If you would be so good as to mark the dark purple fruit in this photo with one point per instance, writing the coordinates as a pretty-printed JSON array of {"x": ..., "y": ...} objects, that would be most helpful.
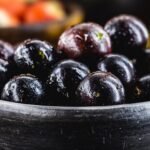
[
  {"x": 100, "y": 89},
  {"x": 84, "y": 39},
  {"x": 128, "y": 34},
  {"x": 120, "y": 66},
  {"x": 24, "y": 89},
  {"x": 4, "y": 73},
  {"x": 64, "y": 80},
  {"x": 142, "y": 64},
  {"x": 35, "y": 57},
  {"x": 142, "y": 90},
  {"x": 6, "y": 50}
]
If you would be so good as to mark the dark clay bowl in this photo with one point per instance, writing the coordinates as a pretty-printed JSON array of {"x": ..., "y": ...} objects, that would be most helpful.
[{"x": 30, "y": 127}]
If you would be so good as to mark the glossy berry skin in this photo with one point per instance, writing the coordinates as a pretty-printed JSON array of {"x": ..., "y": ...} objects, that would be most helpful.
[
  {"x": 100, "y": 89},
  {"x": 120, "y": 66},
  {"x": 6, "y": 50},
  {"x": 35, "y": 57},
  {"x": 24, "y": 89},
  {"x": 129, "y": 35},
  {"x": 84, "y": 39},
  {"x": 64, "y": 80},
  {"x": 142, "y": 90},
  {"x": 4, "y": 73}
]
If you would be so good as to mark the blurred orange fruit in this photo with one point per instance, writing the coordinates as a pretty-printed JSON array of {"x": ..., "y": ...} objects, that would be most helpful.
[
  {"x": 14, "y": 7},
  {"x": 7, "y": 20},
  {"x": 44, "y": 11}
]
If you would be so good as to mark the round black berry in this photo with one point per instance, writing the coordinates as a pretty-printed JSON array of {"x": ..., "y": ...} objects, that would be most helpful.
[
  {"x": 142, "y": 89},
  {"x": 35, "y": 57},
  {"x": 121, "y": 67},
  {"x": 142, "y": 64},
  {"x": 100, "y": 89},
  {"x": 64, "y": 80},
  {"x": 86, "y": 39},
  {"x": 128, "y": 34},
  {"x": 24, "y": 89}
]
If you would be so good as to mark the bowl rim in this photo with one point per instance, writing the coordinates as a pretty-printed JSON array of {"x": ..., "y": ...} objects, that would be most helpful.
[
  {"x": 74, "y": 108},
  {"x": 59, "y": 113}
]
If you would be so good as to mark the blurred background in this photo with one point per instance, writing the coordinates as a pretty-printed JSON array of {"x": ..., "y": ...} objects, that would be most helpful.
[
  {"x": 102, "y": 10},
  {"x": 47, "y": 19}
]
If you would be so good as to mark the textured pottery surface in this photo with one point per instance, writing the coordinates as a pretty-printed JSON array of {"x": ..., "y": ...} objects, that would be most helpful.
[{"x": 29, "y": 127}]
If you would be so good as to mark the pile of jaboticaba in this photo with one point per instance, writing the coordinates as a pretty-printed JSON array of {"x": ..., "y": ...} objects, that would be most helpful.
[{"x": 91, "y": 66}]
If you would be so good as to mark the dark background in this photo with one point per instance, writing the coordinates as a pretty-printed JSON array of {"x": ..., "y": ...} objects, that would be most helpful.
[{"x": 102, "y": 10}]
